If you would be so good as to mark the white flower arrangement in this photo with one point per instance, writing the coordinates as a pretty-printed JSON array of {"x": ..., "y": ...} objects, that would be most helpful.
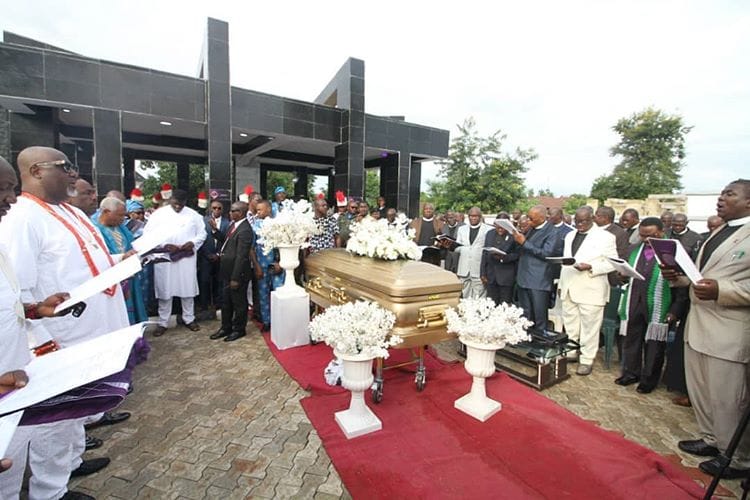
[
  {"x": 293, "y": 225},
  {"x": 481, "y": 321},
  {"x": 353, "y": 328},
  {"x": 378, "y": 239}
]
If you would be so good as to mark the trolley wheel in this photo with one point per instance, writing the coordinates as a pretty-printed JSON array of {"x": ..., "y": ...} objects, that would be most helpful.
[
  {"x": 377, "y": 392},
  {"x": 420, "y": 380}
]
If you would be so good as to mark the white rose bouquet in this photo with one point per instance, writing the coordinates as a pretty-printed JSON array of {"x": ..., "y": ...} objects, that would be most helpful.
[
  {"x": 481, "y": 321},
  {"x": 356, "y": 328},
  {"x": 378, "y": 239},
  {"x": 293, "y": 225}
]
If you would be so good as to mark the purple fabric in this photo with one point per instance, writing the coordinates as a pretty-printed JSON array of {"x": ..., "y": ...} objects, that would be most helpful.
[{"x": 89, "y": 399}]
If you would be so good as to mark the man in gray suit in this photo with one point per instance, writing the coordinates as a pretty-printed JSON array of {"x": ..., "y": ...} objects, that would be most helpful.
[
  {"x": 683, "y": 234},
  {"x": 534, "y": 276},
  {"x": 717, "y": 335},
  {"x": 629, "y": 221},
  {"x": 605, "y": 218}
]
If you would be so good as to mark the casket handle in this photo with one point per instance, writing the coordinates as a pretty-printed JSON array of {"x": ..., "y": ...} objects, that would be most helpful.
[
  {"x": 432, "y": 316},
  {"x": 338, "y": 295},
  {"x": 315, "y": 283}
]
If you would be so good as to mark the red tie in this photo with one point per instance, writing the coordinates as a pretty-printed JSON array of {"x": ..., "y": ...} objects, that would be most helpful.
[{"x": 231, "y": 230}]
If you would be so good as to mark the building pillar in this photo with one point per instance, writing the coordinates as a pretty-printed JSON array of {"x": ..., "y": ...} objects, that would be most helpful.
[
  {"x": 128, "y": 175},
  {"x": 218, "y": 105},
  {"x": 5, "y": 134},
  {"x": 300, "y": 187},
  {"x": 107, "y": 167},
  {"x": 415, "y": 180},
  {"x": 389, "y": 180},
  {"x": 85, "y": 160},
  {"x": 402, "y": 190},
  {"x": 247, "y": 172}
]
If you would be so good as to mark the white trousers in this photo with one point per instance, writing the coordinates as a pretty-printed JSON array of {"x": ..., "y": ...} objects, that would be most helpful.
[
  {"x": 582, "y": 324},
  {"x": 49, "y": 449},
  {"x": 472, "y": 288},
  {"x": 165, "y": 310}
]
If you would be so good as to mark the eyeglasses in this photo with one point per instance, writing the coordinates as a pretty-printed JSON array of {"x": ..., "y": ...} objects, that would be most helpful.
[{"x": 65, "y": 165}]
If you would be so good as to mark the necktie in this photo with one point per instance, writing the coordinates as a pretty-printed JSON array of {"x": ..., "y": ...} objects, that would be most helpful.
[{"x": 232, "y": 227}]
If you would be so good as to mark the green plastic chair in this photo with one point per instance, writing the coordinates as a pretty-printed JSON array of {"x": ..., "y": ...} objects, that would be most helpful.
[{"x": 611, "y": 325}]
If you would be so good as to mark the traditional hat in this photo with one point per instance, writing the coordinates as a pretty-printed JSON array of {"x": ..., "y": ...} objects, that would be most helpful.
[
  {"x": 202, "y": 200},
  {"x": 340, "y": 199},
  {"x": 156, "y": 198},
  {"x": 166, "y": 191},
  {"x": 279, "y": 189},
  {"x": 133, "y": 205},
  {"x": 321, "y": 196},
  {"x": 245, "y": 196},
  {"x": 136, "y": 195}
]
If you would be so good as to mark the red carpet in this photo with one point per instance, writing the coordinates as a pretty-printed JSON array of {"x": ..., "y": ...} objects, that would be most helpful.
[
  {"x": 533, "y": 448},
  {"x": 305, "y": 364}
]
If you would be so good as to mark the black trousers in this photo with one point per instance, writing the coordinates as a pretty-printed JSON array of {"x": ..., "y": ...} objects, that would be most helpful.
[
  {"x": 535, "y": 304},
  {"x": 209, "y": 284},
  {"x": 641, "y": 358},
  {"x": 234, "y": 308},
  {"x": 500, "y": 293}
]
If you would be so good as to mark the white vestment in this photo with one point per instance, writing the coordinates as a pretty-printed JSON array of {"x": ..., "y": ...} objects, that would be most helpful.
[
  {"x": 177, "y": 279},
  {"x": 48, "y": 259}
]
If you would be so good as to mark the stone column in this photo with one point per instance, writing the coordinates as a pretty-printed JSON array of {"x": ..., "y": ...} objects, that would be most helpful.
[
  {"x": 415, "y": 179},
  {"x": 300, "y": 187},
  {"x": 218, "y": 105},
  {"x": 128, "y": 175},
  {"x": 389, "y": 180},
  {"x": 5, "y": 134},
  {"x": 107, "y": 168}
]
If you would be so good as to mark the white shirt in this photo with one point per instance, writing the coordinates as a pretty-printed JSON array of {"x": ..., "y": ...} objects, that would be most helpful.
[
  {"x": 177, "y": 279},
  {"x": 14, "y": 353},
  {"x": 739, "y": 222},
  {"x": 47, "y": 259}
]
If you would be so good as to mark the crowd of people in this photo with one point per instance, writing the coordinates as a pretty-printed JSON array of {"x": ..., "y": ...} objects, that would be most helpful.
[{"x": 56, "y": 236}]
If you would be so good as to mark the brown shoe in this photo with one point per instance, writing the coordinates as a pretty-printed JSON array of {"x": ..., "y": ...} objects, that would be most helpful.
[
  {"x": 193, "y": 327},
  {"x": 682, "y": 401},
  {"x": 159, "y": 331}
]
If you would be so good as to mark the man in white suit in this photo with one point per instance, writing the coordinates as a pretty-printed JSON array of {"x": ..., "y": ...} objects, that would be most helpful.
[
  {"x": 471, "y": 238},
  {"x": 584, "y": 288}
]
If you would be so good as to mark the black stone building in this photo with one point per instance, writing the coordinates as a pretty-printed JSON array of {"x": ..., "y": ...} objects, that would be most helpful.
[{"x": 106, "y": 116}]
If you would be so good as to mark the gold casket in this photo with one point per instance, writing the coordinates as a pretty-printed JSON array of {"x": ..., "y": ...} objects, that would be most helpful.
[{"x": 416, "y": 292}]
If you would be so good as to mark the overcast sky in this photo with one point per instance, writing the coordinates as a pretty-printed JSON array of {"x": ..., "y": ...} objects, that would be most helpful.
[{"x": 552, "y": 75}]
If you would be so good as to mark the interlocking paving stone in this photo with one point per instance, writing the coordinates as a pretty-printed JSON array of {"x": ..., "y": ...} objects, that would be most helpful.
[{"x": 217, "y": 420}]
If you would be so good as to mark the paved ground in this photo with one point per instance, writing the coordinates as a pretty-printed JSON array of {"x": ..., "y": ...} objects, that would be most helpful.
[{"x": 218, "y": 420}]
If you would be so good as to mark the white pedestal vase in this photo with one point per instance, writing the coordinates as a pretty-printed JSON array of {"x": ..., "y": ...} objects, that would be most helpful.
[
  {"x": 289, "y": 260},
  {"x": 357, "y": 377},
  {"x": 480, "y": 364}
]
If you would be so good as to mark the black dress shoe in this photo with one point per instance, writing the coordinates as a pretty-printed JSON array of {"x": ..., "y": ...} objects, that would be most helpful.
[
  {"x": 90, "y": 466},
  {"x": 626, "y": 380},
  {"x": 76, "y": 495},
  {"x": 159, "y": 331},
  {"x": 265, "y": 328},
  {"x": 93, "y": 443},
  {"x": 220, "y": 333},
  {"x": 643, "y": 389},
  {"x": 713, "y": 466},
  {"x": 109, "y": 419},
  {"x": 234, "y": 336},
  {"x": 193, "y": 327},
  {"x": 698, "y": 447}
]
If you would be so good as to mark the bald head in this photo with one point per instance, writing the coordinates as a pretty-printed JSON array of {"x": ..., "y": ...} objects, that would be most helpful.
[
  {"x": 537, "y": 215},
  {"x": 556, "y": 215},
  {"x": 8, "y": 183},
  {"x": 116, "y": 194},
  {"x": 714, "y": 222},
  {"x": 47, "y": 173}
]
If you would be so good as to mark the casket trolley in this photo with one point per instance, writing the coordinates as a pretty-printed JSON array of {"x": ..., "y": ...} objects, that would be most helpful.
[{"x": 416, "y": 292}]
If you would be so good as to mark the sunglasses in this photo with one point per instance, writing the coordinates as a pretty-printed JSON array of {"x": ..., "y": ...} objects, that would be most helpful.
[{"x": 65, "y": 165}]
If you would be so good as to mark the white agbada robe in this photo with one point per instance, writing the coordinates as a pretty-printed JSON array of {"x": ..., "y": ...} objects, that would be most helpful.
[
  {"x": 177, "y": 279},
  {"x": 47, "y": 259}
]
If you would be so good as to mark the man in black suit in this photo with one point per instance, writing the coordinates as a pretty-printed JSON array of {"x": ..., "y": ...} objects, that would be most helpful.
[
  {"x": 235, "y": 271},
  {"x": 605, "y": 218},
  {"x": 534, "y": 276},
  {"x": 208, "y": 260},
  {"x": 498, "y": 272},
  {"x": 629, "y": 221}
]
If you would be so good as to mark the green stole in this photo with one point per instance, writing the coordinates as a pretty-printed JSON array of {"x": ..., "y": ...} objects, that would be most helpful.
[{"x": 658, "y": 300}]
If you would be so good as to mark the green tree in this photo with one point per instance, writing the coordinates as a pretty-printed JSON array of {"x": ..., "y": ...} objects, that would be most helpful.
[
  {"x": 158, "y": 173},
  {"x": 286, "y": 179},
  {"x": 478, "y": 172},
  {"x": 574, "y": 202},
  {"x": 372, "y": 186},
  {"x": 546, "y": 192},
  {"x": 652, "y": 150}
]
